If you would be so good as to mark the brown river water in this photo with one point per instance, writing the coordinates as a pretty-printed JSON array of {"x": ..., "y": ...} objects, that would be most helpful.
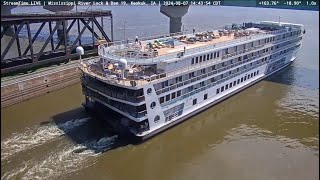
[{"x": 269, "y": 131}]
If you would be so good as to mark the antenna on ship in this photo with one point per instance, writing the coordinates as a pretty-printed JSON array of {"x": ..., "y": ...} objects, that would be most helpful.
[
  {"x": 279, "y": 20},
  {"x": 80, "y": 51}
]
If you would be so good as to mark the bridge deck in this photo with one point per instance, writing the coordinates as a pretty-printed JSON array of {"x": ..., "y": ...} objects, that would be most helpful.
[{"x": 53, "y": 16}]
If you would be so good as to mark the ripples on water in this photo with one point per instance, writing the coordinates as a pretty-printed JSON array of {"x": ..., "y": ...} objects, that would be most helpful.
[
  {"x": 58, "y": 162},
  {"x": 36, "y": 136}
]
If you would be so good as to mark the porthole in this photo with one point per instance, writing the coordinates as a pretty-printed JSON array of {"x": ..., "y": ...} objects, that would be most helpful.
[
  {"x": 152, "y": 105},
  {"x": 157, "y": 118},
  {"x": 149, "y": 91}
]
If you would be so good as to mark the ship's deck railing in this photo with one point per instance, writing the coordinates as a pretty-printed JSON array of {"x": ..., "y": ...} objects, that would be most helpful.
[
  {"x": 179, "y": 84},
  {"x": 113, "y": 94},
  {"x": 156, "y": 77},
  {"x": 107, "y": 51},
  {"x": 196, "y": 91},
  {"x": 117, "y": 105},
  {"x": 213, "y": 61}
]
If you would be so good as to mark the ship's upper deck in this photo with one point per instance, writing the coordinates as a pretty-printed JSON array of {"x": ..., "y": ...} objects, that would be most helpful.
[
  {"x": 152, "y": 50},
  {"x": 162, "y": 51},
  {"x": 138, "y": 62}
]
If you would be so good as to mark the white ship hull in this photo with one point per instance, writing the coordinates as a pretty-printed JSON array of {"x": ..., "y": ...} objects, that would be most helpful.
[
  {"x": 181, "y": 86},
  {"x": 205, "y": 106}
]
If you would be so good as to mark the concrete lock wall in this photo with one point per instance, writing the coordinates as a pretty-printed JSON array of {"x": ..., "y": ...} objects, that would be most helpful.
[{"x": 22, "y": 90}]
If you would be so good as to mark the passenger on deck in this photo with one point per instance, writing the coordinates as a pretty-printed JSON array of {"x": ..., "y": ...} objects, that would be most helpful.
[{"x": 136, "y": 40}]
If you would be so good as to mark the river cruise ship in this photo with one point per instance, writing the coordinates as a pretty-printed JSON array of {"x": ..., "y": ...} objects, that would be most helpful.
[{"x": 155, "y": 83}]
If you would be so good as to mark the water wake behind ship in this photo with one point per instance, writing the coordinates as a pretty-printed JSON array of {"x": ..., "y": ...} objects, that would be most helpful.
[{"x": 36, "y": 136}]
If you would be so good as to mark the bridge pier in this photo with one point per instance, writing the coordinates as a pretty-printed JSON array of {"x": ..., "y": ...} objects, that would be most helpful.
[
  {"x": 6, "y": 10},
  {"x": 175, "y": 13},
  {"x": 61, "y": 31},
  {"x": 62, "y": 25}
]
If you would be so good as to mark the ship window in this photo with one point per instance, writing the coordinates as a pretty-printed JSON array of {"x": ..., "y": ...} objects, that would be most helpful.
[
  {"x": 196, "y": 59},
  {"x": 178, "y": 93},
  {"x": 213, "y": 67},
  {"x": 238, "y": 81},
  {"x": 211, "y": 55},
  {"x": 203, "y": 71},
  {"x": 223, "y": 64},
  {"x": 205, "y": 96},
  {"x": 251, "y": 74},
  {"x": 194, "y": 101},
  {"x": 242, "y": 79},
  {"x": 254, "y": 73},
  {"x": 222, "y": 88},
  {"x": 258, "y": 72},
  {"x": 218, "y": 54},
  {"x": 218, "y": 91},
  {"x": 200, "y": 58},
  {"x": 236, "y": 48},
  {"x": 168, "y": 97},
  {"x": 234, "y": 83},
  {"x": 157, "y": 118},
  {"x": 204, "y": 57},
  {"x": 152, "y": 105},
  {"x": 245, "y": 78},
  {"x": 173, "y": 95},
  {"x": 207, "y": 56},
  {"x": 227, "y": 52},
  {"x": 192, "y": 61},
  {"x": 227, "y": 86},
  {"x": 248, "y": 76},
  {"x": 252, "y": 44},
  {"x": 237, "y": 69},
  {"x": 161, "y": 100},
  {"x": 239, "y": 58}
]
